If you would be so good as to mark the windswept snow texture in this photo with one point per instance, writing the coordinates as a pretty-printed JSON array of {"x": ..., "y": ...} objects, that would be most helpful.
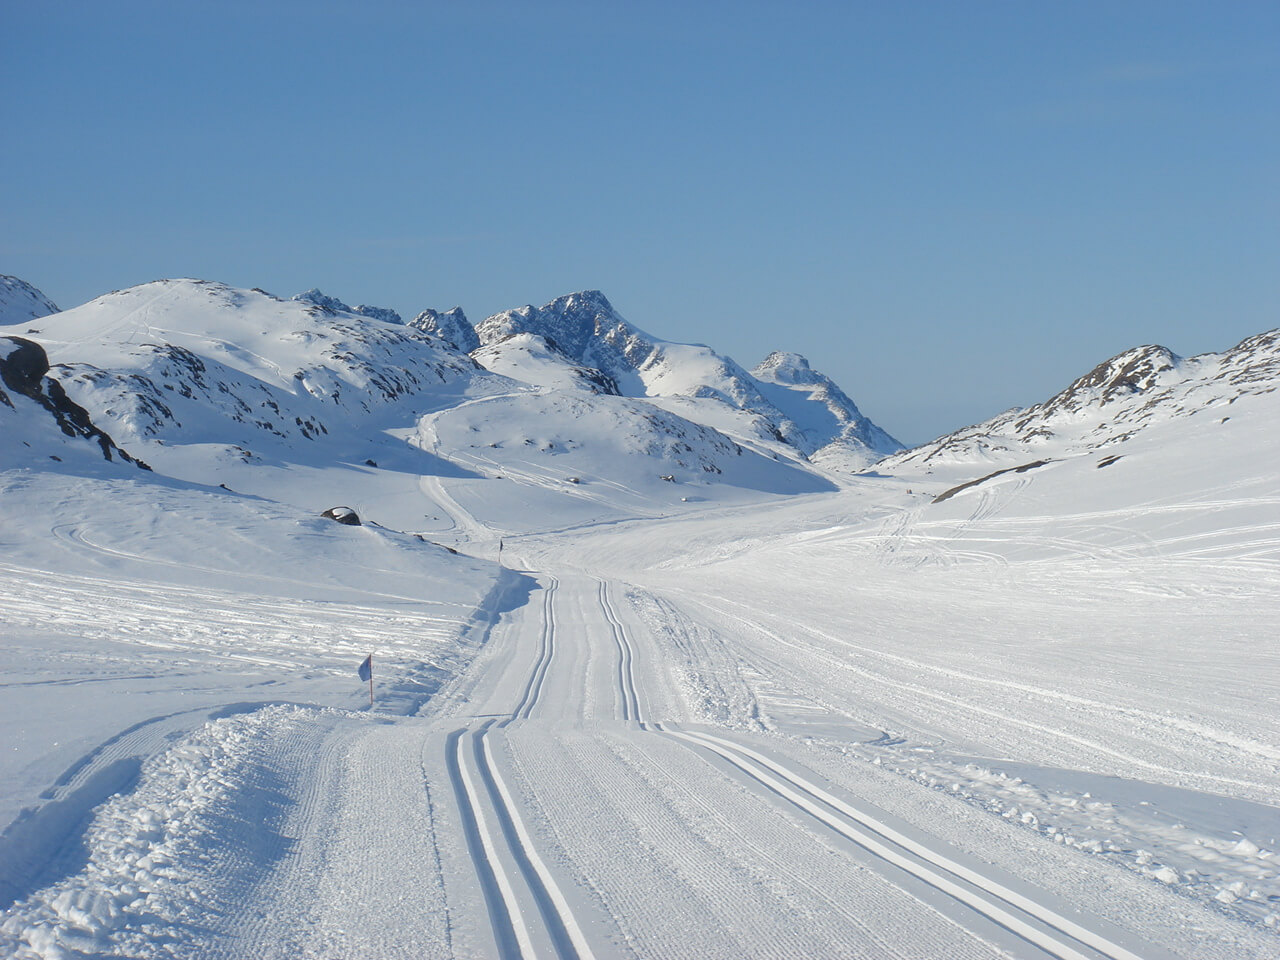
[
  {"x": 628, "y": 700},
  {"x": 20, "y": 301}
]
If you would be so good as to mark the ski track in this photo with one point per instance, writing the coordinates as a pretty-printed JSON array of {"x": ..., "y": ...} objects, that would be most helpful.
[
  {"x": 1039, "y": 926},
  {"x": 577, "y": 828}
]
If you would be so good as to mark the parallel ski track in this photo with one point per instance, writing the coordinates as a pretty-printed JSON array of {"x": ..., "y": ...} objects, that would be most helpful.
[
  {"x": 511, "y": 936},
  {"x": 491, "y": 824},
  {"x": 490, "y": 815},
  {"x": 546, "y": 651},
  {"x": 628, "y": 701},
  {"x": 1041, "y": 926},
  {"x": 1046, "y": 929}
]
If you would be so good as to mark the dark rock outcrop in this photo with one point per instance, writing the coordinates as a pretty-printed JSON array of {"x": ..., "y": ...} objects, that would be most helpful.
[
  {"x": 342, "y": 515},
  {"x": 23, "y": 369}
]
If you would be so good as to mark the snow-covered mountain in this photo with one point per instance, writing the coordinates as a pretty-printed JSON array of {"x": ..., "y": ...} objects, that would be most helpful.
[
  {"x": 20, "y": 301},
  {"x": 804, "y": 410},
  {"x": 192, "y": 361},
  {"x": 219, "y": 385},
  {"x": 1109, "y": 405},
  {"x": 534, "y": 359},
  {"x": 822, "y": 421},
  {"x": 452, "y": 325}
]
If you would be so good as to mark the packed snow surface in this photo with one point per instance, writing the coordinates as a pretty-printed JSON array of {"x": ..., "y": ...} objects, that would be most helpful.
[{"x": 642, "y": 686}]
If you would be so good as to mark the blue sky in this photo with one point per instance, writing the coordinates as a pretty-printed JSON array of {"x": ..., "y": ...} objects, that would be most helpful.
[{"x": 951, "y": 208}]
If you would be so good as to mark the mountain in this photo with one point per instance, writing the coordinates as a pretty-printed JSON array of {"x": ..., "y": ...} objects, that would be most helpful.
[
  {"x": 536, "y": 360},
  {"x": 194, "y": 361},
  {"x": 315, "y": 403},
  {"x": 452, "y": 325},
  {"x": 1115, "y": 402},
  {"x": 824, "y": 422},
  {"x": 20, "y": 301},
  {"x": 807, "y": 412}
]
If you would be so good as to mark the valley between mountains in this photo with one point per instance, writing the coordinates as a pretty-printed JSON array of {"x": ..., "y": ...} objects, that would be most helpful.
[{"x": 670, "y": 658}]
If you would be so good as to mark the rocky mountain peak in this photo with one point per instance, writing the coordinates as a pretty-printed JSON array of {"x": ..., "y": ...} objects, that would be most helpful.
[
  {"x": 452, "y": 326},
  {"x": 1134, "y": 371},
  {"x": 572, "y": 321},
  {"x": 783, "y": 367},
  {"x": 334, "y": 305}
]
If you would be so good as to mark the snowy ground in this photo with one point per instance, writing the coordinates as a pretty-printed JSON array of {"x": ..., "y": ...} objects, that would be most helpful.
[{"x": 1037, "y": 719}]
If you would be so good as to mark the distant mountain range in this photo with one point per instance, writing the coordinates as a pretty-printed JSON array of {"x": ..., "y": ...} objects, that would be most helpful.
[{"x": 191, "y": 376}]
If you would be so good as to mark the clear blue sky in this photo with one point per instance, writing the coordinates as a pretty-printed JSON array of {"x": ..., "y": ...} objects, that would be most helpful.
[{"x": 950, "y": 207}]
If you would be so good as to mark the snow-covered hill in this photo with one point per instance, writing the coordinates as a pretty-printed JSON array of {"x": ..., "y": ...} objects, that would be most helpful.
[
  {"x": 534, "y": 359},
  {"x": 805, "y": 410},
  {"x": 20, "y": 301},
  {"x": 1102, "y": 410},
  {"x": 193, "y": 361},
  {"x": 39, "y": 421}
]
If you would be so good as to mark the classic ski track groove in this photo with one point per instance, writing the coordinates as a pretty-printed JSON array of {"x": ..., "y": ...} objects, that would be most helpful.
[
  {"x": 998, "y": 903},
  {"x": 511, "y": 938},
  {"x": 627, "y": 699},
  {"x": 511, "y": 932},
  {"x": 993, "y": 900},
  {"x": 546, "y": 650},
  {"x": 563, "y": 929}
]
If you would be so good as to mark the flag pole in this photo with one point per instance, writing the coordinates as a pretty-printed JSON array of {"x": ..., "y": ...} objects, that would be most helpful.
[{"x": 366, "y": 673}]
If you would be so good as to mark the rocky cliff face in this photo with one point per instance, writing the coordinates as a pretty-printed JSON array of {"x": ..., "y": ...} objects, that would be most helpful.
[{"x": 452, "y": 326}]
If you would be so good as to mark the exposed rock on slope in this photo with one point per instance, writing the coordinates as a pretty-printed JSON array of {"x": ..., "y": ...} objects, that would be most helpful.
[
  {"x": 335, "y": 306},
  {"x": 23, "y": 369},
  {"x": 1111, "y": 403},
  {"x": 806, "y": 412},
  {"x": 451, "y": 326}
]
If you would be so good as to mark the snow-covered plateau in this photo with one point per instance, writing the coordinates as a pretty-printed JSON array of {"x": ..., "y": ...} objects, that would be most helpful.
[{"x": 669, "y": 658}]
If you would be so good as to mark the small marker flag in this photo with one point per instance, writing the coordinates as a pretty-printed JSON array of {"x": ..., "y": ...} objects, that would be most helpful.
[{"x": 366, "y": 668}]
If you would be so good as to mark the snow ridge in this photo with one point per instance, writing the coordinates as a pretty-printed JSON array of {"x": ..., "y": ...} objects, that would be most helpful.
[
  {"x": 334, "y": 305},
  {"x": 1112, "y": 403},
  {"x": 20, "y": 301},
  {"x": 451, "y": 326},
  {"x": 804, "y": 410}
]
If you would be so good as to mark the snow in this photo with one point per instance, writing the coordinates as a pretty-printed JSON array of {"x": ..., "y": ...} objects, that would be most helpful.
[
  {"x": 757, "y": 709},
  {"x": 20, "y": 301}
]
